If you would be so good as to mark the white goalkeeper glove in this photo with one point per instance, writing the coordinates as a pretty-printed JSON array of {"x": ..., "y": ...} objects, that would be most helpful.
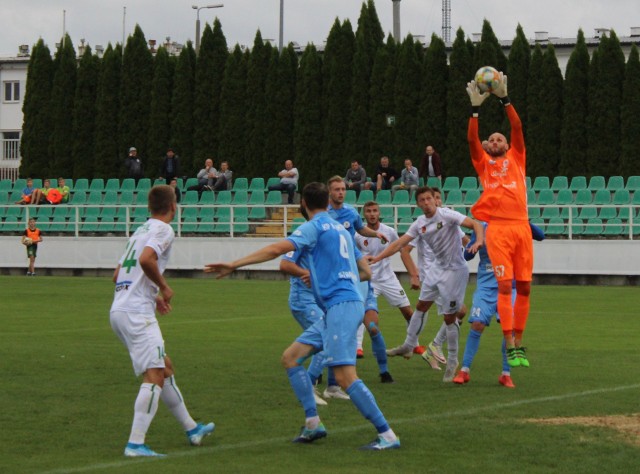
[{"x": 477, "y": 98}]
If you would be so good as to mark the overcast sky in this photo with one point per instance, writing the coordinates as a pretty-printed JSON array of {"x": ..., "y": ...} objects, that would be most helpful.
[{"x": 100, "y": 22}]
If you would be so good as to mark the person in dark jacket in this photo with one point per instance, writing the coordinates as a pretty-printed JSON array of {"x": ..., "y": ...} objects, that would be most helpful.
[
  {"x": 431, "y": 164},
  {"x": 134, "y": 166},
  {"x": 170, "y": 167}
]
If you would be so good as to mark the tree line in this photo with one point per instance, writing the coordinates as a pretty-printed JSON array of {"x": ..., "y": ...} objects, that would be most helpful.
[{"x": 258, "y": 107}]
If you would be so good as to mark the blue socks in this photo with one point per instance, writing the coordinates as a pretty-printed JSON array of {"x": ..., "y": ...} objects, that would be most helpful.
[
  {"x": 379, "y": 349},
  {"x": 364, "y": 401},
  {"x": 471, "y": 349},
  {"x": 315, "y": 367},
  {"x": 505, "y": 365},
  {"x": 301, "y": 384}
]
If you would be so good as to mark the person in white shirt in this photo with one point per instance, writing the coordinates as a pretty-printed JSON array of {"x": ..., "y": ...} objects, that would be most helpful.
[
  {"x": 447, "y": 278},
  {"x": 288, "y": 180},
  {"x": 140, "y": 291},
  {"x": 409, "y": 179}
]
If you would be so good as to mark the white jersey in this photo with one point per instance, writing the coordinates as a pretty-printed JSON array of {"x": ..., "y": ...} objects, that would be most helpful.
[
  {"x": 442, "y": 234},
  {"x": 134, "y": 292},
  {"x": 426, "y": 257},
  {"x": 373, "y": 246}
]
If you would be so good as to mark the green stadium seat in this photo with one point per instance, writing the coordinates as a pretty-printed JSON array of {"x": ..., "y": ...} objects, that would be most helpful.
[
  {"x": 383, "y": 196},
  {"x": 143, "y": 186},
  {"x": 541, "y": 183},
  {"x": 59, "y": 224},
  {"x": 13, "y": 224},
  {"x": 451, "y": 183},
  {"x": 602, "y": 197},
  {"x": 108, "y": 212},
  {"x": 417, "y": 212},
  {"x": 566, "y": 211},
  {"x": 95, "y": 198},
  {"x": 596, "y": 183},
  {"x": 140, "y": 212},
  {"x": 206, "y": 198},
  {"x": 576, "y": 227},
  {"x": 528, "y": 181},
  {"x": 128, "y": 184},
  {"x": 240, "y": 220},
  {"x": 126, "y": 198},
  {"x": 564, "y": 197},
  {"x": 559, "y": 183},
  {"x": 259, "y": 211},
  {"x": 110, "y": 198},
  {"x": 297, "y": 222},
  {"x": 97, "y": 184},
  {"x": 37, "y": 183},
  {"x": 613, "y": 227},
  {"x": 274, "y": 198},
  {"x": 4, "y": 198},
  {"x": 113, "y": 184},
  {"x": 588, "y": 213},
  {"x": 534, "y": 212},
  {"x": 400, "y": 197},
  {"x": 555, "y": 227},
  {"x": 550, "y": 212},
  {"x": 531, "y": 196},
  {"x": 386, "y": 214},
  {"x": 593, "y": 227},
  {"x": 6, "y": 185},
  {"x": 404, "y": 212},
  {"x": 434, "y": 182},
  {"x": 539, "y": 222},
  {"x": 621, "y": 197},
  {"x": 471, "y": 197},
  {"x": 420, "y": 182},
  {"x": 79, "y": 198},
  {"x": 545, "y": 197},
  {"x": 578, "y": 183},
  {"x": 42, "y": 212},
  {"x": 366, "y": 195},
  {"x": 607, "y": 212},
  {"x": 159, "y": 181},
  {"x": 240, "y": 184},
  {"x": 81, "y": 185},
  {"x": 635, "y": 200},
  {"x": 583, "y": 197},
  {"x": 223, "y": 217},
  {"x": 240, "y": 197},
  {"x": 224, "y": 197},
  {"x": 257, "y": 184},
  {"x": 404, "y": 224},
  {"x": 454, "y": 198},
  {"x": 349, "y": 198},
  {"x": 633, "y": 184},
  {"x": 190, "y": 198},
  {"x": 273, "y": 181},
  {"x": 107, "y": 225},
  {"x": 615, "y": 183}
]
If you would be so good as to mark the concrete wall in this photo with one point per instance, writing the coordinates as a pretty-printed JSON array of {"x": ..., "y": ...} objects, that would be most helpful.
[{"x": 552, "y": 257}]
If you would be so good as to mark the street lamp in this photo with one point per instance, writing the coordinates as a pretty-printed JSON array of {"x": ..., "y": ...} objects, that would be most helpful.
[{"x": 197, "y": 9}]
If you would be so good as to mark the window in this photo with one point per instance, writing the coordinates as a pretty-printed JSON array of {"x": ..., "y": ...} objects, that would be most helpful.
[
  {"x": 10, "y": 146},
  {"x": 11, "y": 91}
]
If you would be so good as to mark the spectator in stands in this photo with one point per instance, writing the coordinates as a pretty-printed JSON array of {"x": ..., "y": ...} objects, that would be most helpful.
[
  {"x": 170, "y": 167},
  {"x": 133, "y": 163},
  {"x": 63, "y": 189},
  {"x": 356, "y": 178},
  {"x": 409, "y": 178},
  {"x": 222, "y": 180},
  {"x": 40, "y": 195},
  {"x": 204, "y": 175},
  {"x": 385, "y": 175},
  {"x": 173, "y": 182},
  {"x": 431, "y": 165},
  {"x": 27, "y": 193},
  {"x": 288, "y": 180}
]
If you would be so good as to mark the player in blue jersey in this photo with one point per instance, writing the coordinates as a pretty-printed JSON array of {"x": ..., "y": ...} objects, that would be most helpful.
[
  {"x": 485, "y": 305},
  {"x": 336, "y": 268}
]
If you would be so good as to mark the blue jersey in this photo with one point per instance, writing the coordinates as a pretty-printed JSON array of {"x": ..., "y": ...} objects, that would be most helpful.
[
  {"x": 300, "y": 295},
  {"x": 332, "y": 263},
  {"x": 348, "y": 217}
]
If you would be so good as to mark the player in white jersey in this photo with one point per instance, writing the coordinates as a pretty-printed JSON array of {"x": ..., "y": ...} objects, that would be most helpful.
[
  {"x": 433, "y": 354},
  {"x": 448, "y": 276},
  {"x": 140, "y": 291}
]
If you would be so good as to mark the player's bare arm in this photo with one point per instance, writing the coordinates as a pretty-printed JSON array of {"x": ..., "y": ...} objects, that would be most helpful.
[
  {"x": 368, "y": 232},
  {"x": 478, "y": 229},
  {"x": 409, "y": 264},
  {"x": 391, "y": 249},
  {"x": 263, "y": 255},
  {"x": 115, "y": 274},
  {"x": 149, "y": 264},
  {"x": 364, "y": 269},
  {"x": 290, "y": 268}
]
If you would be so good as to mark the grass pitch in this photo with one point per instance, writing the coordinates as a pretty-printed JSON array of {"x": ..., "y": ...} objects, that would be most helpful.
[{"x": 68, "y": 387}]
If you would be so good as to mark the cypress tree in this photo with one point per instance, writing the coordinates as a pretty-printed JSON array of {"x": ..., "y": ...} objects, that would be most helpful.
[
  {"x": 135, "y": 98},
  {"x": 107, "y": 155},
  {"x": 383, "y": 79},
  {"x": 337, "y": 71},
  {"x": 573, "y": 147},
  {"x": 182, "y": 109},
  {"x": 407, "y": 100},
  {"x": 629, "y": 113},
  {"x": 605, "y": 94},
  {"x": 84, "y": 115},
  {"x": 518, "y": 72},
  {"x": 489, "y": 53},
  {"x": 280, "y": 93},
  {"x": 61, "y": 110},
  {"x": 431, "y": 128},
  {"x": 535, "y": 127},
  {"x": 34, "y": 143},
  {"x": 307, "y": 126},
  {"x": 455, "y": 156},
  {"x": 550, "y": 99},
  {"x": 233, "y": 108},
  {"x": 160, "y": 114},
  {"x": 257, "y": 70},
  {"x": 212, "y": 58}
]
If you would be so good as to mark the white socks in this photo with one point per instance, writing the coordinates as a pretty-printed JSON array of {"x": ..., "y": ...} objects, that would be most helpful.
[
  {"x": 172, "y": 398},
  {"x": 360, "y": 336},
  {"x": 145, "y": 409},
  {"x": 416, "y": 325},
  {"x": 453, "y": 334}
]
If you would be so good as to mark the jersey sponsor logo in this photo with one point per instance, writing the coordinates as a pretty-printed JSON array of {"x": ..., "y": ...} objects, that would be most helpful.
[
  {"x": 290, "y": 254},
  {"x": 511, "y": 185},
  {"x": 123, "y": 285},
  {"x": 297, "y": 233},
  {"x": 488, "y": 268},
  {"x": 346, "y": 276}
]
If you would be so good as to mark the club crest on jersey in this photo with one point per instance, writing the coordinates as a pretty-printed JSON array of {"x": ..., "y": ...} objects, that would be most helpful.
[
  {"x": 424, "y": 229},
  {"x": 452, "y": 304},
  {"x": 346, "y": 224},
  {"x": 439, "y": 225},
  {"x": 365, "y": 243}
]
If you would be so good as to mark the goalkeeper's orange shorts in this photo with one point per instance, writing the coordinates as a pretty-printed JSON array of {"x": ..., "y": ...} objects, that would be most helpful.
[{"x": 510, "y": 247}]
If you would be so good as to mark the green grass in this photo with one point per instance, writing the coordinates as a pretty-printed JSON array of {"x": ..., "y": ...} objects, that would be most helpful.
[{"x": 68, "y": 388}]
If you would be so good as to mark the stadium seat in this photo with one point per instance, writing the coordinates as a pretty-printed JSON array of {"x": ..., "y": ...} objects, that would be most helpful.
[
  {"x": 400, "y": 197},
  {"x": 531, "y": 196},
  {"x": 593, "y": 227},
  {"x": 615, "y": 183},
  {"x": 190, "y": 198},
  {"x": 451, "y": 183},
  {"x": 578, "y": 183},
  {"x": 365, "y": 196},
  {"x": 434, "y": 182},
  {"x": 349, "y": 198},
  {"x": 541, "y": 183},
  {"x": 589, "y": 212},
  {"x": 97, "y": 184},
  {"x": 37, "y": 183},
  {"x": 564, "y": 197},
  {"x": 273, "y": 181},
  {"x": 79, "y": 198},
  {"x": 59, "y": 224},
  {"x": 583, "y": 197},
  {"x": 626, "y": 213},
  {"x": 569, "y": 210},
  {"x": 559, "y": 183},
  {"x": 534, "y": 212},
  {"x": 633, "y": 184},
  {"x": 454, "y": 198},
  {"x": 383, "y": 196},
  {"x": 81, "y": 185},
  {"x": 206, "y": 198},
  {"x": 128, "y": 184},
  {"x": 108, "y": 212},
  {"x": 4, "y": 198},
  {"x": 189, "y": 218},
  {"x": 13, "y": 224},
  {"x": 274, "y": 198},
  {"x": 94, "y": 198},
  {"x": 159, "y": 181},
  {"x": 240, "y": 220},
  {"x": 576, "y": 227},
  {"x": 471, "y": 197},
  {"x": 621, "y": 197},
  {"x": 190, "y": 183},
  {"x": 528, "y": 181},
  {"x": 113, "y": 184},
  {"x": 41, "y": 212},
  {"x": 107, "y": 224},
  {"x": 240, "y": 197},
  {"x": 297, "y": 222},
  {"x": 224, "y": 197},
  {"x": 545, "y": 197},
  {"x": 555, "y": 226},
  {"x": 240, "y": 184},
  {"x": 613, "y": 228},
  {"x": 6, "y": 185},
  {"x": 126, "y": 198},
  {"x": 223, "y": 218},
  {"x": 404, "y": 212},
  {"x": 257, "y": 184},
  {"x": 596, "y": 183},
  {"x": 602, "y": 197},
  {"x": 143, "y": 186},
  {"x": 386, "y": 214},
  {"x": 550, "y": 212},
  {"x": 259, "y": 211},
  {"x": 110, "y": 198},
  {"x": 404, "y": 224}
]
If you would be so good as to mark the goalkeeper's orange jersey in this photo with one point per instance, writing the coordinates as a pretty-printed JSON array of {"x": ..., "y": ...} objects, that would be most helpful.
[{"x": 503, "y": 179}]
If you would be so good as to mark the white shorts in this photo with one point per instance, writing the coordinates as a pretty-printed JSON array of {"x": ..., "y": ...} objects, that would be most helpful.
[
  {"x": 446, "y": 287},
  {"x": 392, "y": 291},
  {"x": 141, "y": 335}
]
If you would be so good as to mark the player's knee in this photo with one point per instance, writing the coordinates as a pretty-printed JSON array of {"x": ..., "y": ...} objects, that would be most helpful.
[
  {"x": 450, "y": 318},
  {"x": 422, "y": 306},
  {"x": 523, "y": 288},
  {"x": 477, "y": 326},
  {"x": 504, "y": 287},
  {"x": 372, "y": 328},
  {"x": 462, "y": 312},
  {"x": 288, "y": 360}
]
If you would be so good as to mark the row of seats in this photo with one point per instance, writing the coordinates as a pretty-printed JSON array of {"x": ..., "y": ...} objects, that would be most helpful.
[{"x": 615, "y": 227}]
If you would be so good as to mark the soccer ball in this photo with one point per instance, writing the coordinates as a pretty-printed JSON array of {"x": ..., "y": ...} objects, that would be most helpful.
[
  {"x": 28, "y": 241},
  {"x": 487, "y": 78}
]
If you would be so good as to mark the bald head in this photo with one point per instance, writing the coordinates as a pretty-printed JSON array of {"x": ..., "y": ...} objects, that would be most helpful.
[{"x": 497, "y": 145}]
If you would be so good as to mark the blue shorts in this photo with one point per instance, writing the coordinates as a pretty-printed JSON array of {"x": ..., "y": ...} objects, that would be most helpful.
[
  {"x": 485, "y": 306},
  {"x": 370, "y": 301},
  {"x": 335, "y": 334},
  {"x": 308, "y": 316}
]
